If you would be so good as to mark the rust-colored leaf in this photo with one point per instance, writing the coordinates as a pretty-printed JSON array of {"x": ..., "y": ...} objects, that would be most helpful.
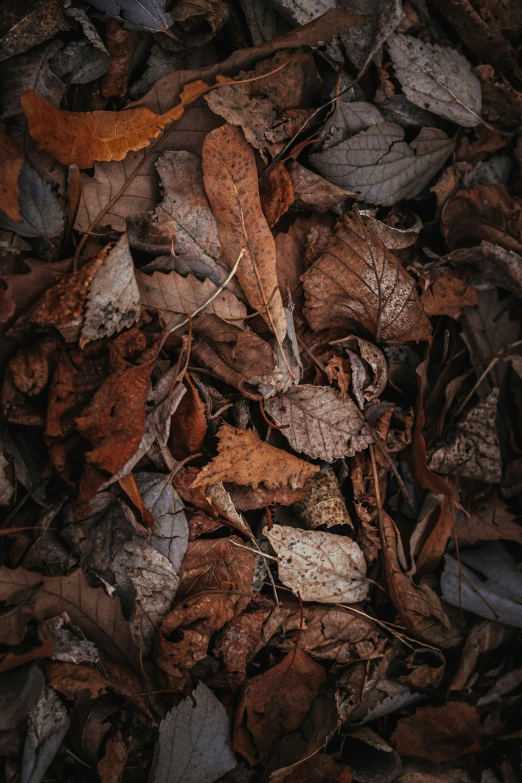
[
  {"x": 439, "y": 733},
  {"x": 276, "y": 193},
  {"x": 188, "y": 425},
  {"x": 12, "y": 159}
]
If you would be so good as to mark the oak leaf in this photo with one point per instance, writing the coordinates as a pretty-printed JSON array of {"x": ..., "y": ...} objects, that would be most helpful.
[
  {"x": 319, "y": 422},
  {"x": 358, "y": 280},
  {"x": 319, "y": 566},
  {"x": 243, "y": 458},
  {"x": 13, "y": 160},
  {"x": 439, "y": 733},
  {"x": 230, "y": 176}
]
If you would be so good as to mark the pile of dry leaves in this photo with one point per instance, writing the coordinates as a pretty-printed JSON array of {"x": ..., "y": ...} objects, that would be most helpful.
[{"x": 261, "y": 442}]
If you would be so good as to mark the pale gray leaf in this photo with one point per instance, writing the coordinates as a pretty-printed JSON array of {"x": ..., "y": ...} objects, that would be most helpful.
[
  {"x": 29, "y": 71},
  {"x": 194, "y": 744},
  {"x": 82, "y": 61},
  {"x": 319, "y": 423},
  {"x": 39, "y": 208},
  {"x": 113, "y": 301},
  {"x": 48, "y": 723},
  {"x": 348, "y": 119},
  {"x": 496, "y": 596},
  {"x": 138, "y": 14},
  {"x": 437, "y": 78},
  {"x": 319, "y": 566},
  {"x": 495, "y": 171},
  {"x": 381, "y": 166},
  {"x": 397, "y": 108},
  {"x": 472, "y": 448},
  {"x": 170, "y": 531}
]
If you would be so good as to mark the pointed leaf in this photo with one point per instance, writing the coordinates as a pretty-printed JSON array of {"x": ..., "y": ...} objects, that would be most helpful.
[
  {"x": 39, "y": 208},
  {"x": 12, "y": 161}
]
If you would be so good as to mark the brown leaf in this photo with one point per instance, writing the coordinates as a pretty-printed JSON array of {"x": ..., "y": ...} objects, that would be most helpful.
[
  {"x": 488, "y": 520},
  {"x": 357, "y": 280},
  {"x": 240, "y": 638},
  {"x": 439, "y": 733},
  {"x": 216, "y": 564},
  {"x": 25, "y": 26},
  {"x": 97, "y": 615},
  {"x": 320, "y": 768},
  {"x": 313, "y": 191},
  {"x": 76, "y": 680},
  {"x": 230, "y": 176},
  {"x": 245, "y": 459},
  {"x": 274, "y": 704},
  {"x": 447, "y": 295},
  {"x": 183, "y": 481},
  {"x": 436, "y": 542},
  {"x": 419, "y": 607},
  {"x": 325, "y": 504},
  {"x": 238, "y": 357},
  {"x": 276, "y": 193},
  {"x": 189, "y": 424},
  {"x": 120, "y": 45},
  {"x": 12, "y": 161},
  {"x": 248, "y": 499},
  {"x": 484, "y": 212},
  {"x": 176, "y": 297}
]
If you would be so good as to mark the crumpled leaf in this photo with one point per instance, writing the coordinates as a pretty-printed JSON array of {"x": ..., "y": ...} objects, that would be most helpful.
[
  {"x": 146, "y": 15},
  {"x": 274, "y": 703},
  {"x": 419, "y": 607},
  {"x": 381, "y": 167},
  {"x": 484, "y": 212},
  {"x": 325, "y": 504},
  {"x": 170, "y": 527},
  {"x": 80, "y": 62},
  {"x": 501, "y": 266},
  {"x": 319, "y": 566},
  {"x": 27, "y": 25},
  {"x": 472, "y": 447},
  {"x": 48, "y": 723},
  {"x": 487, "y": 583},
  {"x": 439, "y": 733},
  {"x": 240, "y": 639},
  {"x": 194, "y": 741},
  {"x": 261, "y": 117},
  {"x": 392, "y": 238},
  {"x": 448, "y": 295},
  {"x": 230, "y": 176},
  {"x": 188, "y": 18},
  {"x": 367, "y": 386},
  {"x": 437, "y": 78},
  {"x": 243, "y": 458},
  {"x": 98, "y": 616},
  {"x": 319, "y": 422},
  {"x": 121, "y": 45},
  {"x": 177, "y": 297},
  {"x": 41, "y": 215},
  {"x": 358, "y": 280},
  {"x": 13, "y": 160},
  {"x": 189, "y": 423}
]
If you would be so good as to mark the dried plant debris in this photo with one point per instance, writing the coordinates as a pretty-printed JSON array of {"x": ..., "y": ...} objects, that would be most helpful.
[{"x": 261, "y": 393}]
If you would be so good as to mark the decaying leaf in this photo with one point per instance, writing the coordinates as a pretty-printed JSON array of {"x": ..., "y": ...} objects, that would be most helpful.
[
  {"x": 489, "y": 520},
  {"x": 40, "y": 211},
  {"x": 484, "y": 212},
  {"x": 26, "y": 26},
  {"x": 230, "y": 176},
  {"x": 314, "y": 192},
  {"x": 448, "y": 295},
  {"x": 319, "y": 422},
  {"x": 194, "y": 741},
  {"x": 245, "y": 459},
  {"x": 319, "y": 566},
  {"x": 381, "y": 167},
  {"x": 325, "y": 504},
  {"x": 48, "y": 723},
  {"x": 358, "y": 280},
  {"x": 437, "y": 78},
  {"x": 13, "y": 160},
  {"x": 439, "y": 733}
]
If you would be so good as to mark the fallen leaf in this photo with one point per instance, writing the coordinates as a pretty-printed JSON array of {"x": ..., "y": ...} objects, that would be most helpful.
[
  {"x": 76, "y": 680},
  {"x": 314, "y": 192},
  {"x": 48, "y": 723},
  {"x": 91, "y": 609},
  {"x": 7, "y": 489},
  {"x": 325, "y": 504},
  {"x": 230, "y": 176},
  {"x": 260, "y": 115},
  {"x": 243, "y": 458},
  {"x": 274, "y": 703},
  {"x": 121, "y": 46},
  {"x": 148, "y": 15},
  {"x": 276, "y": 193},
  {"x": 320, "y": 768},
  {"x": 439, "y": 733},
  {"x": 40, "y": 211},
  {"x": 367, "y": 384},
  {"x": 26, "y": 26},
  {"x": 240, "y": 639},
  {"x": 483, "y": 637},
  {"x": 13, "y": 159},
  {"x": 176, "y": 297},
  {"x": 111, "y": 766},
  {"x": 319, "y": 422},
  {"x": 216, "y": 564},
  {"x": 490, "y": 262},
  {"x": 188, "y": 424},
  {"x": 448, "y": 295},
  {"x": 80, "y": 62},
  {"x": 194, "y": 741},
  {"x": 437, "y": 78},
  {"x": 472, "y": 447},
  {"x": 248, "y": 499},
  {"x": 419, "y": 607},
  {"x": 319, "y": 566},
  {"x": 188, "y": 21},
  {"x": 489, "y": 520},
  {"x": 381, "y": 167},
  {"x": 170, "y": 527},
  {"x": 358, "y": 280},
  {"x": 30, "y": 70},
  {"x": 484, "y": 212}
]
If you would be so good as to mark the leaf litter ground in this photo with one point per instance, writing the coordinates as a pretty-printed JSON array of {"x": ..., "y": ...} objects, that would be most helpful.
[{"x": 260, "y": 472}]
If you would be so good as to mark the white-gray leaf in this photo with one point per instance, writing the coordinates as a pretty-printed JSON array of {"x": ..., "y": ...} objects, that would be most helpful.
[
  {"x": 113, "y": 301},
  {"x": 437, "y": 78},
  {"x": 170, "y": 532},
  {"x": 48, "y": 724},
  {"x": 350, "y": 118},
  {"x": 39, "y": 208},
  {"x": 194, "y": 743},
  {"x": 381, "y": 166}
]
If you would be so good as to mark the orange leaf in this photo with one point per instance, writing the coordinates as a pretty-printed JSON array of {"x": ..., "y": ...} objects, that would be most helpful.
[{"x": 12, "y": 161}]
